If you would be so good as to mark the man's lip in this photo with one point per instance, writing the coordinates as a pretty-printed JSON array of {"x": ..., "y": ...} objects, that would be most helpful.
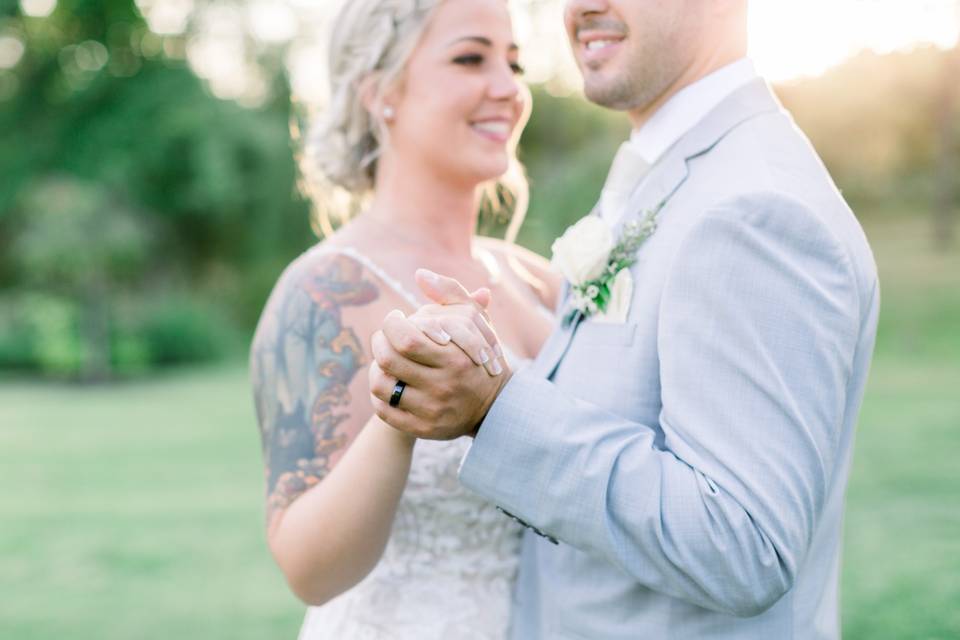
[
  {"x": 593, "y": 58},
  {"x": 586, "y": 37}
]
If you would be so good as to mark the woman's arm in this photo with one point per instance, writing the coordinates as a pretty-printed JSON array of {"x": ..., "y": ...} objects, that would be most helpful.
[
  {"x": 333, "y": 535},
  {"x": 334, "y": 472}
]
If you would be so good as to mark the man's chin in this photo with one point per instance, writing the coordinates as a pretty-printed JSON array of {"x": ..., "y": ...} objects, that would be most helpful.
[
  {"x": 606, "y": 94},
  {"x": 616, "y": 91}
]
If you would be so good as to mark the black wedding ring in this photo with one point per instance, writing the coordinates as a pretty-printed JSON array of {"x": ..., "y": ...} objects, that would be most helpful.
[{"x": 397, "y": 392}]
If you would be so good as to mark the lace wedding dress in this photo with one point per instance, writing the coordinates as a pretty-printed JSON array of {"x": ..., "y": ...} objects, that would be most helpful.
[{"x": 449, "y": 566}]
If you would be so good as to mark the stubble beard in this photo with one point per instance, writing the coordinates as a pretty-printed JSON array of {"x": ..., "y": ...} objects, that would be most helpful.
[{"x": 636, "y": 88}]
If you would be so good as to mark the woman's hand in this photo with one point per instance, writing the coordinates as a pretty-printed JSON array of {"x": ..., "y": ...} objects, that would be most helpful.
[{"x": 460, "y": 317}]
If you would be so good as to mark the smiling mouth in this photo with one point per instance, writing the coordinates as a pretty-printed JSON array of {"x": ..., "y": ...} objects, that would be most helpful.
[
  {"x": 599, "y": 38},
  {"x": 497, "y": 130},
  {"x": 596, "y": 45},
  {"x": 597, "y": 50}
]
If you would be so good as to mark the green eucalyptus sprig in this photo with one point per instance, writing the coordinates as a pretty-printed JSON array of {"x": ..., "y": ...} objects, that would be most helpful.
[{"x": 595, "y": 295}]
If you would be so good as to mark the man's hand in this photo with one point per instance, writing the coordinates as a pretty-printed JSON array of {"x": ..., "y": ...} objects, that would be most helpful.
[{"x": 447, "y": 394}]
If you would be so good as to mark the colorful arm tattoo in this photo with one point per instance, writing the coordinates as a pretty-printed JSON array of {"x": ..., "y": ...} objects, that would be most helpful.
[{"x": 302, "y": 362}]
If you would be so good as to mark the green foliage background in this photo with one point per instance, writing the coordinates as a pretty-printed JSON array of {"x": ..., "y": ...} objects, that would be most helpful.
[
  {"x": 136, "y": 207},
  {"x": 134, "y": 203},
  {"x": 143, "y": 222}
]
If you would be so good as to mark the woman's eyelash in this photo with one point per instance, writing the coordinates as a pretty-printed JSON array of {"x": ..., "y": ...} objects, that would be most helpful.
[
  {"x": 476, "y": 59},
  {"x": 471, "y": 60}
]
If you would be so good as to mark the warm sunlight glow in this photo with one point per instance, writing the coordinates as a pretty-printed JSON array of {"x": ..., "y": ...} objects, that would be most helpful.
[
  {"x": 794, "y": 39},
  {"x": 38, "y": 8},
  {"x": 166, "y": 17},
  {"x": 788, "y": 40},
  {"x": 11, "y": 50}
]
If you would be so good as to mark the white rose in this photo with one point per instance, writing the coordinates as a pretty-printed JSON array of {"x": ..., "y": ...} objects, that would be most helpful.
[
  {"x": 582, "y": 252},
  {"x": 621, "y": 293}
]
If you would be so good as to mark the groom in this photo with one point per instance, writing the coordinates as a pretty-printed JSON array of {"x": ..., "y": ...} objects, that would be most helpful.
[{"x": 682, "y": 470}]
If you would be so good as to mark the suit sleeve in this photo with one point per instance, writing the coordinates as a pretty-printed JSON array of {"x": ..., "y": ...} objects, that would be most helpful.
[{"x": 758, "y": 327}]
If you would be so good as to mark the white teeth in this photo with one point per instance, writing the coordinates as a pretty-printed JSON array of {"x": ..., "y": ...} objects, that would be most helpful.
[
  {"x": 496, "y": 128},
  {"x": 593, "y": 45}
]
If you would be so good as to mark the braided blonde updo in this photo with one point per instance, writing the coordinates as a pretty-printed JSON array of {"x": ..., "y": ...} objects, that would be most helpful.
[{"x": 372, "y": 40}]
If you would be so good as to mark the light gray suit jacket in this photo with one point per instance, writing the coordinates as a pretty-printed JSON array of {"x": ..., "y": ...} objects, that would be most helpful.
[{"x": 692, "y": 462}]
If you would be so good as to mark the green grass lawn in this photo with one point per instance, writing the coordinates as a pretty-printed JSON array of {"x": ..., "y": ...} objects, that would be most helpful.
[{"x": 134, "y": 511}]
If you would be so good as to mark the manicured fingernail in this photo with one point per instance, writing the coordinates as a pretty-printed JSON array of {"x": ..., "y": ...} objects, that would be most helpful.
[
  {"x": 429, "y": 276},
  {"x": 484, "y": 356},
  {"x": 497, "y": 350},
  {"x": 496, "y": 367},
  {"x": 444, "y": 336}
]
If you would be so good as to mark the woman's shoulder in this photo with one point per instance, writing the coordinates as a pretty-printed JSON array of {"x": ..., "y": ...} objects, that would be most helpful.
[
  {"x": 528, "y": 266},
  {"x": 326, "y": 275},
  {"x": 325, "y": 283}
]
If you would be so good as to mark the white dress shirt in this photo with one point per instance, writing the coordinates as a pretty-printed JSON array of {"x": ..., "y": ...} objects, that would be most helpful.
[{"x": 677, "y": 116}]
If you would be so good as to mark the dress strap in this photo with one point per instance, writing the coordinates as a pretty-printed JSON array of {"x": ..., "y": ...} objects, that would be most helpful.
[
  {"x": 376, "y": 270},
  {"x": 402, "y": 291}
]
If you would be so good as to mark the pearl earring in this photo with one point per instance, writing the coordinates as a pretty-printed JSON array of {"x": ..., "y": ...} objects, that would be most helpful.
[{"x": 389, "y": 113}]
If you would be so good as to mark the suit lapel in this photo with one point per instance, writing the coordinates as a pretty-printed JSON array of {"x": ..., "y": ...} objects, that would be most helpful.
[
  {"x": 663, "y": 180},
  {"x": 669, "y": 174}
]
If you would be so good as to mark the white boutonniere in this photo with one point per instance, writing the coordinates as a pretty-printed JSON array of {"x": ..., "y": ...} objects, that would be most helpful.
[{"x": 597, "y": 267}]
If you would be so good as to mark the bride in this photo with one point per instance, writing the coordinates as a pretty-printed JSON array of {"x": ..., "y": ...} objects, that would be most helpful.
[{"x": 375, "y": 533}]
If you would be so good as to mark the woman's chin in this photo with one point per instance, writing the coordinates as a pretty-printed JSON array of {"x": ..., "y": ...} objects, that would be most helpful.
[
  {"x": 491, "y": 169},
  {"x": 478, "y": 169}
]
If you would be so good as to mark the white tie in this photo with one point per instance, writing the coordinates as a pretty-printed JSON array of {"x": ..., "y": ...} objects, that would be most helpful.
[{"x": 626, "y": 172}]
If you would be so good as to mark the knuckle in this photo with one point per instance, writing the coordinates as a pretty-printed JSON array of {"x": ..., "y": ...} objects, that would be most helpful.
[
  {"x": 442, "y": 391},
  {"x": 461, "y": 325},
  {"x": 422, "y": 321},
  {"x": 387, "y": 361},
  {"x": 433, "y": 412},
  {"x": 462, "y": 363},
  {"x": 406, "y": 344},
  {"x": 378, "y": 348},
  {"x": 378, "y": 387}
]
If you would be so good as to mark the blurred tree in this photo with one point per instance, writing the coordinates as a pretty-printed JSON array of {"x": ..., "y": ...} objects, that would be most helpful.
[
  {"x": 874, "y": 120},
  {"x": 109, "y": 113},
  {"x": 102, "y": 109},
  {"x": 946, "y": 212},
  {"x": 77, "y": 242}
]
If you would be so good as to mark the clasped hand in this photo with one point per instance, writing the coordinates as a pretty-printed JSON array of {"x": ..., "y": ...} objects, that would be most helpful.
[{"x": 449, "y": 356}]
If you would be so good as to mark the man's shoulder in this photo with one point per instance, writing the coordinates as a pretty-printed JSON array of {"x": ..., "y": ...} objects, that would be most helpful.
[
  {"x": 766, "y": 172},
  {"x": 768, "y": 162},
  {"x": 769, "y": 152}
]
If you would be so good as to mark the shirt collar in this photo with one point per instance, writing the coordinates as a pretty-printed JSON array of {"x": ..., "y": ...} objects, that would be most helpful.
[{"x": 687, "y": 107}]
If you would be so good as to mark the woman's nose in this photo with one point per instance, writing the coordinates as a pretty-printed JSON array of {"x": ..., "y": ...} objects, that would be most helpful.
[{"x": 504, "y": 84}]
